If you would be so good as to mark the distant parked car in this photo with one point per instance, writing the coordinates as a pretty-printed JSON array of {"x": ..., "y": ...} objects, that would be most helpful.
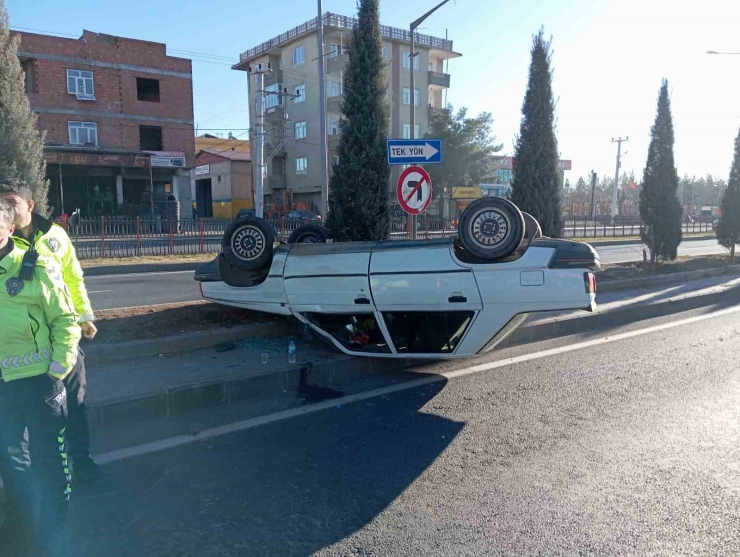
[
  {"x": 302, "y": 215},
  {"x": 242, "y": 213}
]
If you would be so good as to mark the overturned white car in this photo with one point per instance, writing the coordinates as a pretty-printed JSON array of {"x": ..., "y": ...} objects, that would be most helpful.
[{"x": 411, "y": 299}]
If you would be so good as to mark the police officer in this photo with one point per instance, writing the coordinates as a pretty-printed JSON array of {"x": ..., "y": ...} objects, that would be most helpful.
[
  {"x": 39, "y": 347},
  {"x": 34, "y": 233}
]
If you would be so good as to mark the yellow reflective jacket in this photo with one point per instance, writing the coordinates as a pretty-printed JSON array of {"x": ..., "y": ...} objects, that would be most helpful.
[
  {"x": 52, "y": 242},
  {"x": 38, "y": 328}
]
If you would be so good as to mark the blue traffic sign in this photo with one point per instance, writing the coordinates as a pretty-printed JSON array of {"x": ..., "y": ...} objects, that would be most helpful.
[{"x": 414, "y": 151}]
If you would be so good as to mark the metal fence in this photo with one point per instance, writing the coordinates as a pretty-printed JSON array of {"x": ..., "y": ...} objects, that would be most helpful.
[
  {"x": 623, "y": 226},
  {"x": 134, "y": 236}
]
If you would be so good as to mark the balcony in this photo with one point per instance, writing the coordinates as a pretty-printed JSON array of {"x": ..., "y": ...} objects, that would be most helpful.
[
  {"x": 334, "y": 141},
  {"x": 276, "y": 76},
  {"x": 437, "y": 79},
  {"x": 335, "y": 64},
  {"x": 276, "y": 182},
  {"x": 433, "y": 110},
  {"x": 334, "y": 104}
]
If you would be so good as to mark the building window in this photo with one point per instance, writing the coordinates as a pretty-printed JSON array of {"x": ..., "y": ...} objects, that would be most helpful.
[
  {"x": 274, "y": 95},
  {"x": 336, "y": 50},
  {"x": 407, "y": 61},
  {"x": 150, "y": 138},
  {"x": 80, "y": 83},
  {"x": 386, "y": 53},
  {"x": 300, "y": 92},
  {"x": 299, "y": 55},
  {"x": 406, "y": 131},
  {"x": 335, "y": 88},
  {"x": 417, "y": 97},
  {"x": 301, "y": 130},
  {"x": 334, "y": 126},
  {"x": 83, "y": 133},
  {"x": 147, "y": 90},
  {"x": 27, "y": 67},
  {"x": 406, "y": 95},
  {"x": 335, "y": 160},
  {"x": 301, "y": 165}
]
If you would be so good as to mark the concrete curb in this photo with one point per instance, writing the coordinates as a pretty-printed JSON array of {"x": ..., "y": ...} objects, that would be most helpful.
[
  {"x": 117, "y": 351},
  {"x": 139, "y": 412},
  {"x": 668, "y": 278}
]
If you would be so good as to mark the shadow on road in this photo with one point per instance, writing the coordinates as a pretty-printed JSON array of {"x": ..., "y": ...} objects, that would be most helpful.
[{"x": 288, "y": 488}]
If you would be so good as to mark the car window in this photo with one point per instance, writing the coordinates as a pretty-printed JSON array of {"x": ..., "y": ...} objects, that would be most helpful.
[
  {"x": 427, "y": 332},
  {"x": 356, "y": 332}
]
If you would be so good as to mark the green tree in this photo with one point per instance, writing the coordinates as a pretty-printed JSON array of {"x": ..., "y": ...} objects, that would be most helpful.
[
  {"x": 659, "y": 204},
  {"x": 467, "y": 147},
  {"x": 359, "y": 186},
  {"x": 582, "y": 190},
  {"x": 537, "y": 181},
  {"x": 728, "y": 229},
  {"x": 21, "y": 144}
]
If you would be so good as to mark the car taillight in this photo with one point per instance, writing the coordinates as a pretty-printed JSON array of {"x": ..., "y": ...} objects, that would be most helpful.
[{"x": 589, "y": 280}]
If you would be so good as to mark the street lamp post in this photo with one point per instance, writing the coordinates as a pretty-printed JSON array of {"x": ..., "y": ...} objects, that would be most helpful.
[{"x": 412, "y": 95}]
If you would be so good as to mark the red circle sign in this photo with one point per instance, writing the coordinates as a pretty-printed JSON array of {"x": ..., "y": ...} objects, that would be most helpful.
[{"x": 414, "y": 190}]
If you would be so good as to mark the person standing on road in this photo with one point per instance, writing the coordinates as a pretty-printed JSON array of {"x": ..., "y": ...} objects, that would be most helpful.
[
  {"x": 35, "y": 234},
  {"x": 40, "y": 337}
]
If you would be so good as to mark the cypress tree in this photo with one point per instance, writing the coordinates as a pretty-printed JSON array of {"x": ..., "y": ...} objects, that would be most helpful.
[
  {"x": 660, "y": 208},
  {"x": 21, "y": 144},
  {"x": 537, "y": 180},
  {"x": 359, "y": 186},
  {"x": 728, "y": 229}
]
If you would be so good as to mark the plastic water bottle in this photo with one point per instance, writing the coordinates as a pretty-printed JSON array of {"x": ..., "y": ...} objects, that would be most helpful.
[{"x": 291, "y": 352}]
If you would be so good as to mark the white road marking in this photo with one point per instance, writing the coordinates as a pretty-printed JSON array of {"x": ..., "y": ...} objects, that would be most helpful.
[
  {"x": 150, "y": 273},
  {"x": 179, "y": 440},
  {"x": 188, "y": 302},
  {"x": 98, "y": 291}
]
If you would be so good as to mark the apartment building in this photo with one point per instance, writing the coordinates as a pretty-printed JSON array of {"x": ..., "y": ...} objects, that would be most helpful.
[
  {"x": 294, "y": 143},
  {"x": 118, "y": 117}
]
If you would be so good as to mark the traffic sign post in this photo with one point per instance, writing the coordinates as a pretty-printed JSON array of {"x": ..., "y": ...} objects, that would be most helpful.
[
  {"x": 414, "y": 190},
  {"x": 414, "y": 151}
]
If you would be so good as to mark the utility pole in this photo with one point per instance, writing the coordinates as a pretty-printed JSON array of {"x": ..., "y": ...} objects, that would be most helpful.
[
  {"x": 619, "y": 142},
  {"x": 322, "y": 120},
  {"x": 412, "y": 95},
  {"x": 259, "y": 198},
  {"x": 593, "y": 193}
]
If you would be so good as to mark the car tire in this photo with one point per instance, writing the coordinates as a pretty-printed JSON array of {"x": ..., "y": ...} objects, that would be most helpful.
[
  {"x": 309, "y": 234},
  {"x": 491, "y": 228},
  {"x": 532, "y": 228},
  {"x": 248, "y": 243}
]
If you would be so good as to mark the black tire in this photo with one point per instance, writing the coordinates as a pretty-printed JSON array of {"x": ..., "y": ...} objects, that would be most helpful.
[
  {"x": 248, "y": 243},
  {"x": 532, "y": 228},
  {"x": 491, "y": 228},
  {"x": 309, "y": 234}
]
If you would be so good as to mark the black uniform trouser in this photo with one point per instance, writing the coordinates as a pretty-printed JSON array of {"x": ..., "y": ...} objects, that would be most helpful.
[
  {"x": 34, "y": 464},
  {"x": 78, "y": 434}
]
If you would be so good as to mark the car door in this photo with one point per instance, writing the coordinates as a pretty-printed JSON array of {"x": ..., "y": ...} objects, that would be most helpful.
[
  {"x": 426, "y": 300},
  {"x": 330, "y": 292}
]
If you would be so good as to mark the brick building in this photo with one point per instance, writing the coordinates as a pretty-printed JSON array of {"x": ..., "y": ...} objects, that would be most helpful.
[{"x": 118, "y": 117}]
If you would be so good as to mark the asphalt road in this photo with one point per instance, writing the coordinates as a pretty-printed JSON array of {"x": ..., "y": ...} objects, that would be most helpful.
[
  {"x": 627, "y": 447},
  {"x": 118, "y": 291}
]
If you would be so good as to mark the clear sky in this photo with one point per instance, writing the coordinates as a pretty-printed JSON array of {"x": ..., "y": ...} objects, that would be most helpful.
[{"x": 608, "y": 62}]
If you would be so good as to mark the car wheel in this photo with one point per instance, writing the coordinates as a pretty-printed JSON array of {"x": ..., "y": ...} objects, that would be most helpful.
[
  {"x": 309, "y": 234},
  {"x": 532, "y": 228},
  {"x": 248, "y": 243},
  {"x": 491, "y": 228}
]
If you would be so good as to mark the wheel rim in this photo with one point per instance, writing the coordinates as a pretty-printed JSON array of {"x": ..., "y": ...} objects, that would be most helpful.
[
  {"x": 309, "y": 239},
  {"x": 488, "y": 228},
  {"x": 248, "y": 243}
]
